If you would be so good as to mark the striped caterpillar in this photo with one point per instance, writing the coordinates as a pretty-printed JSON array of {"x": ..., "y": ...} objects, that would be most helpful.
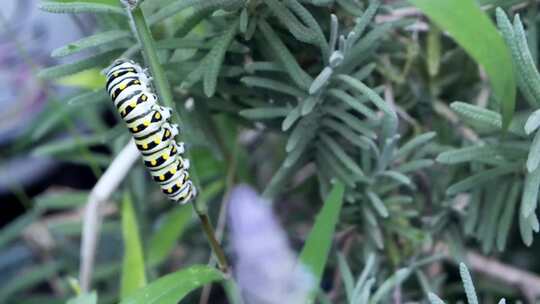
[{"x": 132, "y": 95}]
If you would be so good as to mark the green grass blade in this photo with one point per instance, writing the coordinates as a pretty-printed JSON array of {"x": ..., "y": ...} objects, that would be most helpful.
[
  {"x": 315, "y": 252},
  {"x": 474, "y": 31},
  {"x": 133, "y": 270},
  {"x": 172, "y": 288}
]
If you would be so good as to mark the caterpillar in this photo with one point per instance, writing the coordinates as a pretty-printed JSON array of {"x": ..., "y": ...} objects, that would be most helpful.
[{"x": 130, "y": 89}]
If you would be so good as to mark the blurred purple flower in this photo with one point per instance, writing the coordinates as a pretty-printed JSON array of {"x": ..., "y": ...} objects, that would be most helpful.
[{"x": 266, "y": 269}]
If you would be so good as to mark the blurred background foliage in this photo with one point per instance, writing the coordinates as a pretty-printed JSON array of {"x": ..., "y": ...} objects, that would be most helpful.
[{"x": 296, "y": 98}]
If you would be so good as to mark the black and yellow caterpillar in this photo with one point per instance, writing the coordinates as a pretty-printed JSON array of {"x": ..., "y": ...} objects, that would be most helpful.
[{"x": 132, "y": 95}]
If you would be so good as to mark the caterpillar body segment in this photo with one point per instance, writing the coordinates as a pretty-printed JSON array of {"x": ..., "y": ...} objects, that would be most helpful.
[
  {"x": 181, "y": 194},
  {"x": 158, "y": 140},
  {"x": 130, "y": 89},
  {"x": 164, "y": 175},
  {"x": 162, "y": 158},
  {"x": 139, "y": 103},
  {"x": 149, "y": 122}
]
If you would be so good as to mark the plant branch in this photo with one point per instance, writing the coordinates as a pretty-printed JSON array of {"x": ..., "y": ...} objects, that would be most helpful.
[
  {"x": 106, "y": 185},
  {"x": 527, "y": 282},
  {"x": 164, "y": 92}
]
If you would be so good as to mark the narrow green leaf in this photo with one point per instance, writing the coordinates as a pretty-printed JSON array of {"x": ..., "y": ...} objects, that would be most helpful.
[
  {"x": 352, "y": 121},
  {"x": 377, "y": 204},
  {"x": 300, "y": 77},
  {"x": 526, "y": 228},
  {"x": 95, "y": 40},
  {"x": 291, "y": 118},
  {"x": 528, "y": 67},
  {"x": 468, "y": 154},
  {"x": 331, "y": 168},
  {"x": 341, "y": 155},
  {"x": 481, "y": 178},
  {"x": 81, "y": 65},
  {"x": 529, "y": 200},
  {"x": 133, "y": 270},
  {"x": 533, "y": 122},
  {"x": 434, "y": 299},
  {"x": 215, "y": 60},
  {"x": 372, "y": 95},
  {"x": 363, "y": 21},
  {"x": 172, "y": 288},
  {"x": 353, "y": 103},
  {"x": 168, "y": 232},
  {"x": 265, "y": 113},
  {"x": 346, "y": 275},
  {"x": 533, "y": 159},
  {"x": 507, "y": 216},
  {"x": 414, "y": 144},
  {"x": 61, "y": 200},
  {"x": 468, "y": 284},
  {"x": 415, "y": 165},
  {"x": 481, "y": 40},
  {"x": 397, "y": 176},
  {"x": 272, "y": 85},
  {"x": 351, "y": 136},
  {"x": 79, "y": 7},
  {"x": 387, "y": 286},
  {"x": 434, "y": 51},
  {"x": 484, "y": 118},
  {"x": 317, "y": 246},
  {"x": 309, "y": 104},
  {"x": 363, "y": 278},
  {"x": 176, "y": 6}
]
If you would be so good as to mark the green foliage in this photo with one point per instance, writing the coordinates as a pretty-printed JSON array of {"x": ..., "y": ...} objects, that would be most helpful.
[
  {"x": 133, "y": 269},
  {"x": 355, "y": 104},
  {"x": 174, "y": 287},
  {"x": 315, "y": 251}
]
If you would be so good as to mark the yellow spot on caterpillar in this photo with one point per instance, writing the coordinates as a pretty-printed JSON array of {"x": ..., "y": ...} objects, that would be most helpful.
[
  {"x": 165, "y": 156},
  {"x": 136, "y": 82},
  {"x": 157, "y": 141},
  {"x": 161, "y": 177},
  {"x": 169, "y": 190},
  {"x": 122, "y": 86},
  {"x": 135, "y": 129},
  {"x": 145, "y": 146},
  {"x": 115, "y": 74},
  {"x": 144, "y": 97},
  {"x": 158, "y": 116},
  {"x": 167, "y": 133},
  {"x": 133, "y": 104},
  {"x": 153, "y": 162},
  {"x": 147, "y": 123},
  {"x": 173, "y": 170}
]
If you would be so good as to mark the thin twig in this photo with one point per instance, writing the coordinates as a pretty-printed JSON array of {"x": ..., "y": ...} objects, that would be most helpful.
[
  {"x": 527, "y": 282},
  {"x": 222, "y": 219},
  {"x": 107, "y": 184}
]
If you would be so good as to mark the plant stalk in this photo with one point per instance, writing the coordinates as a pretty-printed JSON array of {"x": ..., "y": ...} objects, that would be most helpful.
[{"x": 163, "y": 89}]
